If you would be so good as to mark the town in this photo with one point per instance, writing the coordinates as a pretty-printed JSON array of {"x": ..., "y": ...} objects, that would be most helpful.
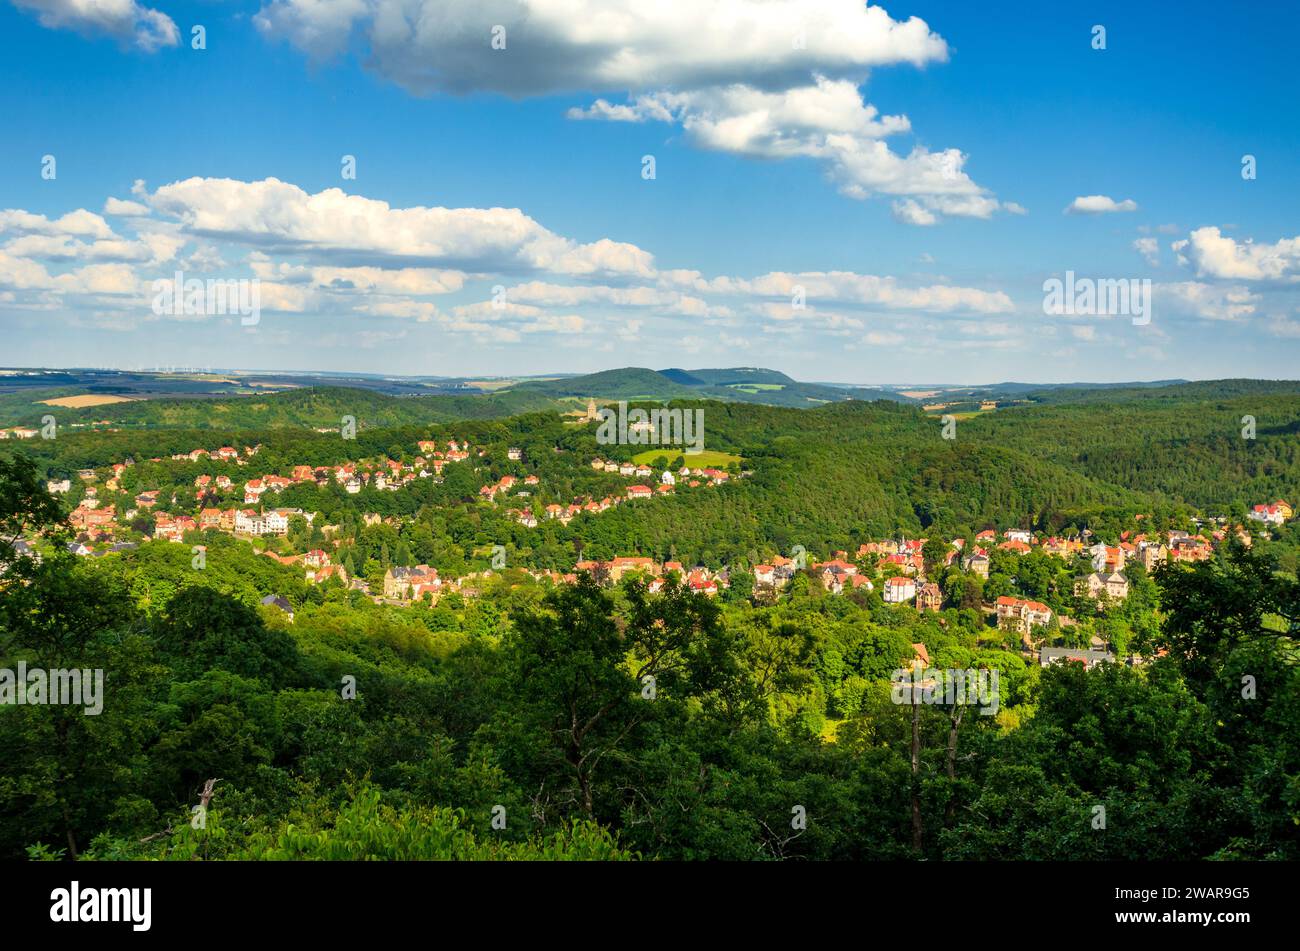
[{"x": 113, "y": 514}]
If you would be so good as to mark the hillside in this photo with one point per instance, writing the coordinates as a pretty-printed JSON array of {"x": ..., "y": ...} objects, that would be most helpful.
[
  {"x": 855, "y": 468},
  {"x": 208, "y": 402},
  {"x": 205, "y": 401},
  {"x": 1157, "y": 393},
  {"x": 628, "y": 383},
  {"x": 738, "y": 384},
  {"x": 307, "y": 407},
  {"x": 742, "y": 375},
  {"x": 762, "y": 701}
]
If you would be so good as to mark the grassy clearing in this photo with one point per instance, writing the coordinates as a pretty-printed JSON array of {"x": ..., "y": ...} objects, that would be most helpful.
[{"x": 706, "y": 459}]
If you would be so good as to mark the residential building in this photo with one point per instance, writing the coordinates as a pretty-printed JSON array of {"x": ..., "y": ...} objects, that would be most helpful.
[
  {"x": 978, "y": 564},
  {"x": 1019, "y": 615},
  {"x": 275, "y": 601},
  {"x": 1274, "y": 514},
  {"x": 622, "y": 566},
  {"x": 1088, "y": 657},
  {"x": 929, "y": 597},
  {"x": 398, "y": 581},
  {"x": 1113, "y": 584},
  {"x": 899, "y": 590}
]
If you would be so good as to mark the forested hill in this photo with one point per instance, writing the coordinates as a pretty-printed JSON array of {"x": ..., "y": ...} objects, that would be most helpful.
[
  {"x": 158, "y": 401},
  {"x": 306, "y": 407},
  {"x": 823, "y": 478},
  {"x": 326, "y": 723},
  {"x": 1165, "y": 393},
  {"x": 460, "y": 705},
  {"x": 736, "y": 384},
  {"x": 827, "y": 477},
  {"x": 629, "y": 383},
  {"x": 163, "y": 400}
]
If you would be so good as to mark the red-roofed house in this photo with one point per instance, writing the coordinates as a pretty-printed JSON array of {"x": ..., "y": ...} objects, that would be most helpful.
[
  {"x": 1274, "y": 514},
  {"x": 621, "y": 566}
]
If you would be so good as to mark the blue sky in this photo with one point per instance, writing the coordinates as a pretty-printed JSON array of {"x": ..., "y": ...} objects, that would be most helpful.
[{"x": 815, "y": 173}]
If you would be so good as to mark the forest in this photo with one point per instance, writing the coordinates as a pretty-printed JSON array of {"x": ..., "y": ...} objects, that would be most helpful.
[{"x": 575, "y": 721}]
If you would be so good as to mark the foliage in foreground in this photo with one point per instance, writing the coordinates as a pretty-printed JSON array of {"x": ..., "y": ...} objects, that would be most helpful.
[{"x": 535, "y": 700}]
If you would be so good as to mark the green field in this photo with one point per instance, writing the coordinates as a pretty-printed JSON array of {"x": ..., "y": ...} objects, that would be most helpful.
[
  {"x": 706, "y": 459},
  {"x": 959, "y": 413}
]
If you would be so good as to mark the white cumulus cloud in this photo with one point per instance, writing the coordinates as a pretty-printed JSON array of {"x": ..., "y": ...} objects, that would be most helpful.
[
  {"x": 124, "y": 20},
  {"x": 1214, "y": 254},
  {"x": 772, "y": 79},
  {"x": 1099, "y": 205},
  {"x": 358, "y": 231}
]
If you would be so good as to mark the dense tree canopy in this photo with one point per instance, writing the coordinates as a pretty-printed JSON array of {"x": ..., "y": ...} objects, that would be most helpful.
[{"x": 576, "y": 721}]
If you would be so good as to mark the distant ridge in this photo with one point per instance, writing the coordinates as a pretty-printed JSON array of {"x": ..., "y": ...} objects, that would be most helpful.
[
  {"x": 732, "y": 384},
  {"x": 252, "y": 400},
  {"x": 741, "y": 375}
]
